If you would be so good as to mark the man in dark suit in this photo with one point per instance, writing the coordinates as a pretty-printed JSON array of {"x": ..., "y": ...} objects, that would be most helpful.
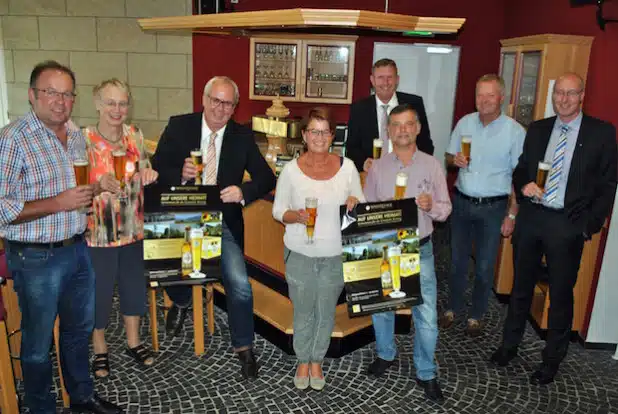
[
  {"x": 581, "y": 155},
  {"x": 228, "y": 149},
  {"x": 368, "y": 117}
]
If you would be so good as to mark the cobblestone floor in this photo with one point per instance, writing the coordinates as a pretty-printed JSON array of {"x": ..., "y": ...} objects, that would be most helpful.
[{"x": 182, "y": 383}]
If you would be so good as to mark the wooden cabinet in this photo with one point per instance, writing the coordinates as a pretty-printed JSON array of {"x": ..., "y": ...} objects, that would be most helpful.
[
  {"x": 528, "y": 65},
  {"x": 302, "y": 68}
]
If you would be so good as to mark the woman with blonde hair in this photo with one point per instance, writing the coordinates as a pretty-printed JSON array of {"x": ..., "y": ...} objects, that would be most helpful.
[
  {"x": 309, "y": 192},
  {"x": 119, "y": 168}
]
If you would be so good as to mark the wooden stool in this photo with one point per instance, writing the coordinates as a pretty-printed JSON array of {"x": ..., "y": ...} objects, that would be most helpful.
[
  {"x": 198, "y": 314},
  {"x": 13, "y": 322}
]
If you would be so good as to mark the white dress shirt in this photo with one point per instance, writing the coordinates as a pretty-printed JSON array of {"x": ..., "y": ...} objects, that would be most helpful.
[{"x": 391, "y": 105}]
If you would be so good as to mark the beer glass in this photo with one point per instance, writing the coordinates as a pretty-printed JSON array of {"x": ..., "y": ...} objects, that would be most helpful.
[
  {"x": 394, "y": 261},
  {"x": 82, "y": 176},
  {"x": 401, "y": 182},
  {"x": 198, "y": 160},
  {"x": 377, "y": 148},
  {"x": 466, "y": 147},
  {"x": 541, "y": 174},
  {"x": 81, "y": 172},
  {"x": 311, "y": 205},
  {"x": 197, "y": 236},
  {"x": 120, "y": 163}
]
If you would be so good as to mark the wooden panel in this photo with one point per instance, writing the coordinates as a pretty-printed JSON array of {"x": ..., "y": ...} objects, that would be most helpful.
[
  {"x": 503, "y": 277},
  {"x": 8, "y": 395},
  {"x": 264, "y": 236},
  {"x": 242, "y": 23},
  {"x": 13, "y": 322}
]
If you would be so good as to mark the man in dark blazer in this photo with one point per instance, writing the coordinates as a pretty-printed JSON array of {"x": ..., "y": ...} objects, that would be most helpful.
[
  {"x": 368, "y": 116},
  {"x": 556, "y": 220},
  {"x": 228, "y": 150}
]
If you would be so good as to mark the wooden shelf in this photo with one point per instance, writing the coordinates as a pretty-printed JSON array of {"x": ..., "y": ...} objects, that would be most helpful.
[{"x": 243, "y": 23}]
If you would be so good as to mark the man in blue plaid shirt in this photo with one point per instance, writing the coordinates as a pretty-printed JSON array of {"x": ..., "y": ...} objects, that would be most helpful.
[{"x": 43, "y": 221}]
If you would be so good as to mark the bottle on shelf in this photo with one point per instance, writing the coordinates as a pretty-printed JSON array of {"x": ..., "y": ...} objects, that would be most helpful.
[{"x": 385, "y": 273}]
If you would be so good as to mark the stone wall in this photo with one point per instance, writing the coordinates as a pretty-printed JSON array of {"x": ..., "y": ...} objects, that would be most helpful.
[{"x": 100, "y": 39}]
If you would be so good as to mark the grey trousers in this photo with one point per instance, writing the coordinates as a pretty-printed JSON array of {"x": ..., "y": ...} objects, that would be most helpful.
[{"x": 314, "y": 285}]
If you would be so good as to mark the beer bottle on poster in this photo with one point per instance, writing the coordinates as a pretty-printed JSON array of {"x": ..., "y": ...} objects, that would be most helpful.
[
  {"x": 186, "y": 257},
  {"x": 385, "y": 273}
]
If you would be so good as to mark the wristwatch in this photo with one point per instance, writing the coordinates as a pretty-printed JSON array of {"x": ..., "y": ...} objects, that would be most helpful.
[{"x": 511, "y": 216}]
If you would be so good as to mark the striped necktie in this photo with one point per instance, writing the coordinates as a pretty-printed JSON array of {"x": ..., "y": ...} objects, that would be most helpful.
[
  {"x": 551, "y": 189},
  {"x": 211, "y": 161}
]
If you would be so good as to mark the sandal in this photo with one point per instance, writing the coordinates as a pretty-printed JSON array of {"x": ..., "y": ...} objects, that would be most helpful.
[
  {"x": 100, "y": 363},
  {"x": 141, "y": 355}
]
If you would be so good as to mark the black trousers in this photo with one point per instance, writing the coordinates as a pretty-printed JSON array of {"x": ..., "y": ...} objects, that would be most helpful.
[{"x": 540, "y": 231}]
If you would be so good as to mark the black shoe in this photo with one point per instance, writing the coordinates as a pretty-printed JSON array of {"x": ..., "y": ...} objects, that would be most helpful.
[
  {"x": 248, "y": 364},
  {"x": 175, "y": 320},
  {"x": 378, "y": 367},
  {"x": 544, "y": 375},
  {"x": 96, "y": 405},
  {"x": 503, "y": 356},
  {"x": 432, "y": 389}
]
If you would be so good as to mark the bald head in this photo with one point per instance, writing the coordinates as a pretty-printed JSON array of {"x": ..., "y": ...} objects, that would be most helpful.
[{"x": 568, "y": 95}]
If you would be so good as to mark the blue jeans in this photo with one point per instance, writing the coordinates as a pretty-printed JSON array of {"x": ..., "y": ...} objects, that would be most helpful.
[
  {"x": 425, "y": 319},
  {"x": 479, "y": 224},
  {"x": 51, "y": 282},
  {"x": 238, "y": 292}
]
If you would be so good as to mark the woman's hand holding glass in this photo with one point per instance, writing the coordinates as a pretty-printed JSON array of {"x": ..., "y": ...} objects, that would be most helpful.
[
  {"x": 148, "y": 175},
  {"x": 108, "y": 182}
]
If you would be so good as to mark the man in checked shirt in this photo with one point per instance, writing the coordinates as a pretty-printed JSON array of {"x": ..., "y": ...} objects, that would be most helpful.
[{"x": 42, "y": 220}]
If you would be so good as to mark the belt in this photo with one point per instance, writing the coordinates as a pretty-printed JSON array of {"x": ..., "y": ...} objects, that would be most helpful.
[
  {"x": 424, "y": 240},
  {"x": 52, "y": 245},
  {"x": 481, "y": 200},
  {"x": 541, "y": 207}
]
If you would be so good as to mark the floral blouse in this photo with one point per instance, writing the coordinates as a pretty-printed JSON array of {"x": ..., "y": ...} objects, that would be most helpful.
[{"x": 116, "y": 219}]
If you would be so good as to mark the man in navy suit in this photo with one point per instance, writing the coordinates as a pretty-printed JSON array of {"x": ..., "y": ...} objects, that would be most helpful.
[
  {"x": 555, "y": 220},
  {"x": 368, "y": 117},
  {"x": 228, "y": 150}
]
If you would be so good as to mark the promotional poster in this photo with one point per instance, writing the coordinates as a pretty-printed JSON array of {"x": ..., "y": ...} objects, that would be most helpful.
[
  {"x": 182, "y": 233},
  {"x": 381, "y": 256}
]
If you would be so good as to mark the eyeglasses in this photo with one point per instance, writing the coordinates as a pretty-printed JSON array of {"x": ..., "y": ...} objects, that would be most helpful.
[
  {"x": 54, "y": 94},
  {"x": 323, "y": 132},
  {"x": 571, "y": 93},
  {"x": 227, "y": 105},
  {"x": 111, "y": 103}
]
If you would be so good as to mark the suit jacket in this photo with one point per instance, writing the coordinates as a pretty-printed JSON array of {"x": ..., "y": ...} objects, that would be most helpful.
[
  {"x": 363, "y": 127},
  {"x": 591, "y": 185},
  {"x": 239, "y": 152}
]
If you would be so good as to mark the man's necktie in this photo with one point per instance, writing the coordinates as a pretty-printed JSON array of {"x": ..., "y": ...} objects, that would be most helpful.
[
  {"x": 211, "y": 161},
  {"x": 551, "y": 188},
  {"x": 384, "y": 127}
]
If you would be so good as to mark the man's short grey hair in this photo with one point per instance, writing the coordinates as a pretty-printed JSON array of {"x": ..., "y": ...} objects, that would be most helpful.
[{"x": 223, "y": 79}]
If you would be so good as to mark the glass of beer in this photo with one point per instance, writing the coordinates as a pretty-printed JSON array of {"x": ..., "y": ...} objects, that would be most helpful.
[
  {"x": 81, "y": 172},
  {"x": 466, "y": 147},
  {"x": 401, "y": 182},
  {"x": 394, "y": 261},
  {"x": 120, "y": 163},
  {"x": 311, "y": 205},
  {"x": 82, "y": 176},
  {"x": 197, "y": 236},
  {"x": 198, "y": 160},
  {"x": 377, "y": 148},
  {"x": 541, "y": 174}
]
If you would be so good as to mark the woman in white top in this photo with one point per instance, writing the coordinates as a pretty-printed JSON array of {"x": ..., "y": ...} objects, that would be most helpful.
[{"x": 313, "y": 265}]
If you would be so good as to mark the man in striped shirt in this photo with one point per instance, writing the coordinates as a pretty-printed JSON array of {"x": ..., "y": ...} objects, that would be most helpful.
[{"x": 42, "y": 220}]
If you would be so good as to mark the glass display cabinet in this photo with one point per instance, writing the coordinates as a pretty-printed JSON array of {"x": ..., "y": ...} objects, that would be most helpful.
[{"x": 308, "y": 69}]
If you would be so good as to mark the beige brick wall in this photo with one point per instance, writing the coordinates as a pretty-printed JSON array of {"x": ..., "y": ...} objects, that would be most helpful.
[{"x": 100, "y": 39}]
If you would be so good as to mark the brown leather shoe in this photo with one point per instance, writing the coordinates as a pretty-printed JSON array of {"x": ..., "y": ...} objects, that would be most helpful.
[
  {"x": 474, "y": 328},
  {"x": 447, "y": 319}
]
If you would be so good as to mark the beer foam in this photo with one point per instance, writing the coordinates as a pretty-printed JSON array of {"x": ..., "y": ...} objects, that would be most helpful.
[
  {"x": 119, "y": 153},
  {"x": 197, "y": 153},
  {"x": 466, "y": 140},
  {"x": 544, "y": 166},
  {"x": 401, "y": 180},
  {"x": 378, "y": 143},
  {"x": 80, "y": 163}
]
